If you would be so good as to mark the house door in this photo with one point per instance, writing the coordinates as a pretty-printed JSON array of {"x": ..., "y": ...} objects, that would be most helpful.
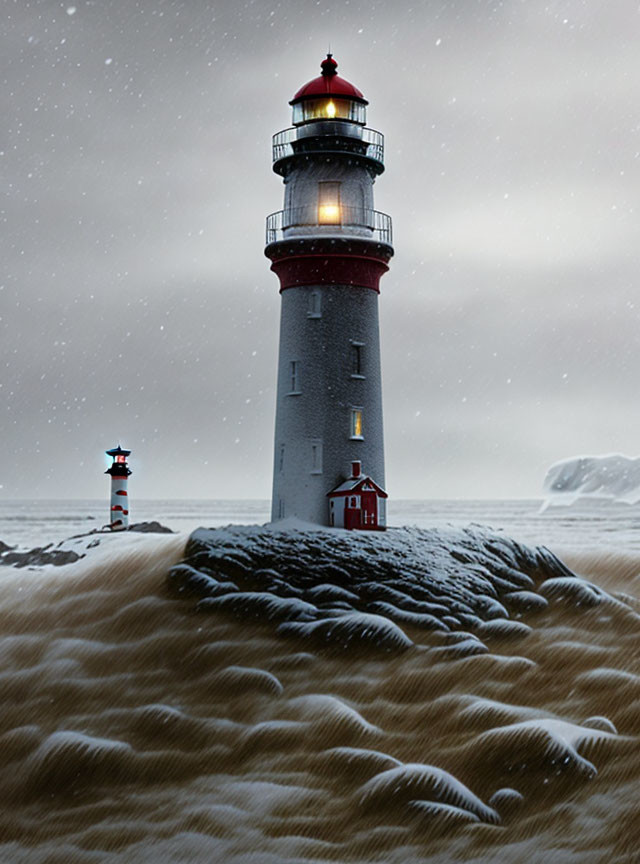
[
  {"x": 352, "y": 517},
  {"x": 369, "y": 510}
]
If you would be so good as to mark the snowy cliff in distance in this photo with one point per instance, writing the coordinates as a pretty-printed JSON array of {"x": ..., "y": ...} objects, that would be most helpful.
[{"x": 615, "y": 477}]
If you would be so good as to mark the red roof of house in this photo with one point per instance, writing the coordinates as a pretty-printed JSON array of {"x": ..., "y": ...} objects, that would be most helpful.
[
  {"x": 354, "y": 485},
  {"x": 328, "y": 83}
]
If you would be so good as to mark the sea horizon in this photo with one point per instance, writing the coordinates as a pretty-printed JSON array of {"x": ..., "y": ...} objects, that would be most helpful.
[{"x": 595, "y": 523}]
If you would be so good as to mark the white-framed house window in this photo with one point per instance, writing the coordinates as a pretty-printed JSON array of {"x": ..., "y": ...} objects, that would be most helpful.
[
  {"x": 314, "y": 309},
  {"x": 316, "y": 456},
  {"x": 294, "y": 378},
  {"x": 356, "y": 427},
  {"x": 382, "y": 511}
]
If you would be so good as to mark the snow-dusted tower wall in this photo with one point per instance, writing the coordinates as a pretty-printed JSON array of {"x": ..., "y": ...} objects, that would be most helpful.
[
  {"x": 120, "y": 471},
  {"x": 329, "y": 248}
]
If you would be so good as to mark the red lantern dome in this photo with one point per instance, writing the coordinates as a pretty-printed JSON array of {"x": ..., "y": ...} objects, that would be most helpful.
[
  {"x": 328, "y": 84},
  {"x": 329, "y": 97}
]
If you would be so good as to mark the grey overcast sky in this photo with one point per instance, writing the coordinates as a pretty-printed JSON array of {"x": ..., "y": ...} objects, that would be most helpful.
[{"x": 137, "y": 306}]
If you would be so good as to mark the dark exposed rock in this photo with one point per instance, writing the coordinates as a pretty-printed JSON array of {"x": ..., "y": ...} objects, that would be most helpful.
[
  {"x": 350, "y": 631},
  {"x": 572, "y": 592},
  {"x": 150, "y": 528},
  {"x": 40, "y": 556},
  {"x": 339, "y": 589},
  {"x": 525, "y": 601}
]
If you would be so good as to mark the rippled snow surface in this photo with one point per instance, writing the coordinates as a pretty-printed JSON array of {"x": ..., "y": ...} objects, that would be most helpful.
[{"x": 280, "y": 696}]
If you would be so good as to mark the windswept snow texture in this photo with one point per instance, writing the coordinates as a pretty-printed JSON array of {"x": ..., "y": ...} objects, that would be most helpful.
[
  {"x": 268, "y": 695},
  {"x": 614, "y": 477}
]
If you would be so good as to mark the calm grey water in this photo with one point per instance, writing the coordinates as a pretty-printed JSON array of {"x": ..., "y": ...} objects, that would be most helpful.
[{"x": 585, "y": 525}]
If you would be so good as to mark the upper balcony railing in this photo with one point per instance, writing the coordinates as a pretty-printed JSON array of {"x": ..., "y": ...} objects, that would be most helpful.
[
  {"x": 344, "y": 221},
  {"x": 372, "y": 141}
]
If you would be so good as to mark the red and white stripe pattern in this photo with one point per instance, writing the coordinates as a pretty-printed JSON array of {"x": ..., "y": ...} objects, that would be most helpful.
[{"x": 119, "y": 504}]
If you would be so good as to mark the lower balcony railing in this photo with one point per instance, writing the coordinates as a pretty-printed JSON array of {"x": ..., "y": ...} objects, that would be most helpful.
[{"x": 326, "y": 219}]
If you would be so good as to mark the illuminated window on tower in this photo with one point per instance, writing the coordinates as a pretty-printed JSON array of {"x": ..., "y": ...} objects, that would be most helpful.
[
  {"x": 329, "y": 203},
  {"x": 356, "y": 423}
]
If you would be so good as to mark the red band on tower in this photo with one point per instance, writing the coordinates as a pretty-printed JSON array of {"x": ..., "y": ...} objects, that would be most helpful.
[{"x": 331, "y": 269}]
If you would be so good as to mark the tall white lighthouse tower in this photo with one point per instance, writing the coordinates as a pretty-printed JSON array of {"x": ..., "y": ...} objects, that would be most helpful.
[{"x": 329, "y": 248}]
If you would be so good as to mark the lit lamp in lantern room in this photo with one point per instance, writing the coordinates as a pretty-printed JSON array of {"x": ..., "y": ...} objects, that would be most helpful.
[{"x": 119, "y": 470}]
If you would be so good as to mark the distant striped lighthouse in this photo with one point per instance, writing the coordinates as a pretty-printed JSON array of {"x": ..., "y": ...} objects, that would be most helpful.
[
  {"x": 329, "y": 248},
  {"x": 119, "y": 470}
]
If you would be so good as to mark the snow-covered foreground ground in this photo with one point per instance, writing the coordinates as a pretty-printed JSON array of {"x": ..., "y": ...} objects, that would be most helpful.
[{"x": 308, "y": 696}]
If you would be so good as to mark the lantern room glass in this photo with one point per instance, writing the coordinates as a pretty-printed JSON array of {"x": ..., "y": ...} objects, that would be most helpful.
[{"x": 329, "y": 108}]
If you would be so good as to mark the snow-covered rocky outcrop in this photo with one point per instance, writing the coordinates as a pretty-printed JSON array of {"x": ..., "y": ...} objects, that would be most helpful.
[
  {"x": 614, "y": 477},
  {"x": 356, "y": 590},
  {"x": 74, "y": 548}
]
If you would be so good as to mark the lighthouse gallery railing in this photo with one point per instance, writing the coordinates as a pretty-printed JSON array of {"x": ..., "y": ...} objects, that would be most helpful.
[
  {"x": 283, "y": 143},
  {"x": 371, "y": 224}
]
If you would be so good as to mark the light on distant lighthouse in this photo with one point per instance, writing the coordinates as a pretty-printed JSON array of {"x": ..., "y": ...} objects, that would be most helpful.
[
  {"x": 119, "y": 471},
  {"x": 329, "y": 248}
]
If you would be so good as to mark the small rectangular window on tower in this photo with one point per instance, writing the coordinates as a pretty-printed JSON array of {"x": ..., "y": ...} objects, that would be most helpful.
[
  {"x": 314, "y": 309},
  {"x": 316, "y": 455},
  {"x": 329, "y": 211},
  {"x": 357, "y": 351},
  {"x": 294, "y": 377},
  {"x": 281, "y": 458},
  {"x": 356, "y": 429}
]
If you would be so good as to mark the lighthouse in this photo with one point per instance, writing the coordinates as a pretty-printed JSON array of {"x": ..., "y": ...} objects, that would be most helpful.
[
  {"x": 329, "y": 247},
  {"x": 119, "y": 470}
]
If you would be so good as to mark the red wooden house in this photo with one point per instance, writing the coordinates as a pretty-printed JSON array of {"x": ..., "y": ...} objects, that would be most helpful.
[{"x": 358, "y": 503}]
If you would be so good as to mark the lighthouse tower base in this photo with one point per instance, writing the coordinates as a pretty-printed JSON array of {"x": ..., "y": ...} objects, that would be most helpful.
[
  {"x": 329, "y": 403},
  {"x": 119, "y": 504}
]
